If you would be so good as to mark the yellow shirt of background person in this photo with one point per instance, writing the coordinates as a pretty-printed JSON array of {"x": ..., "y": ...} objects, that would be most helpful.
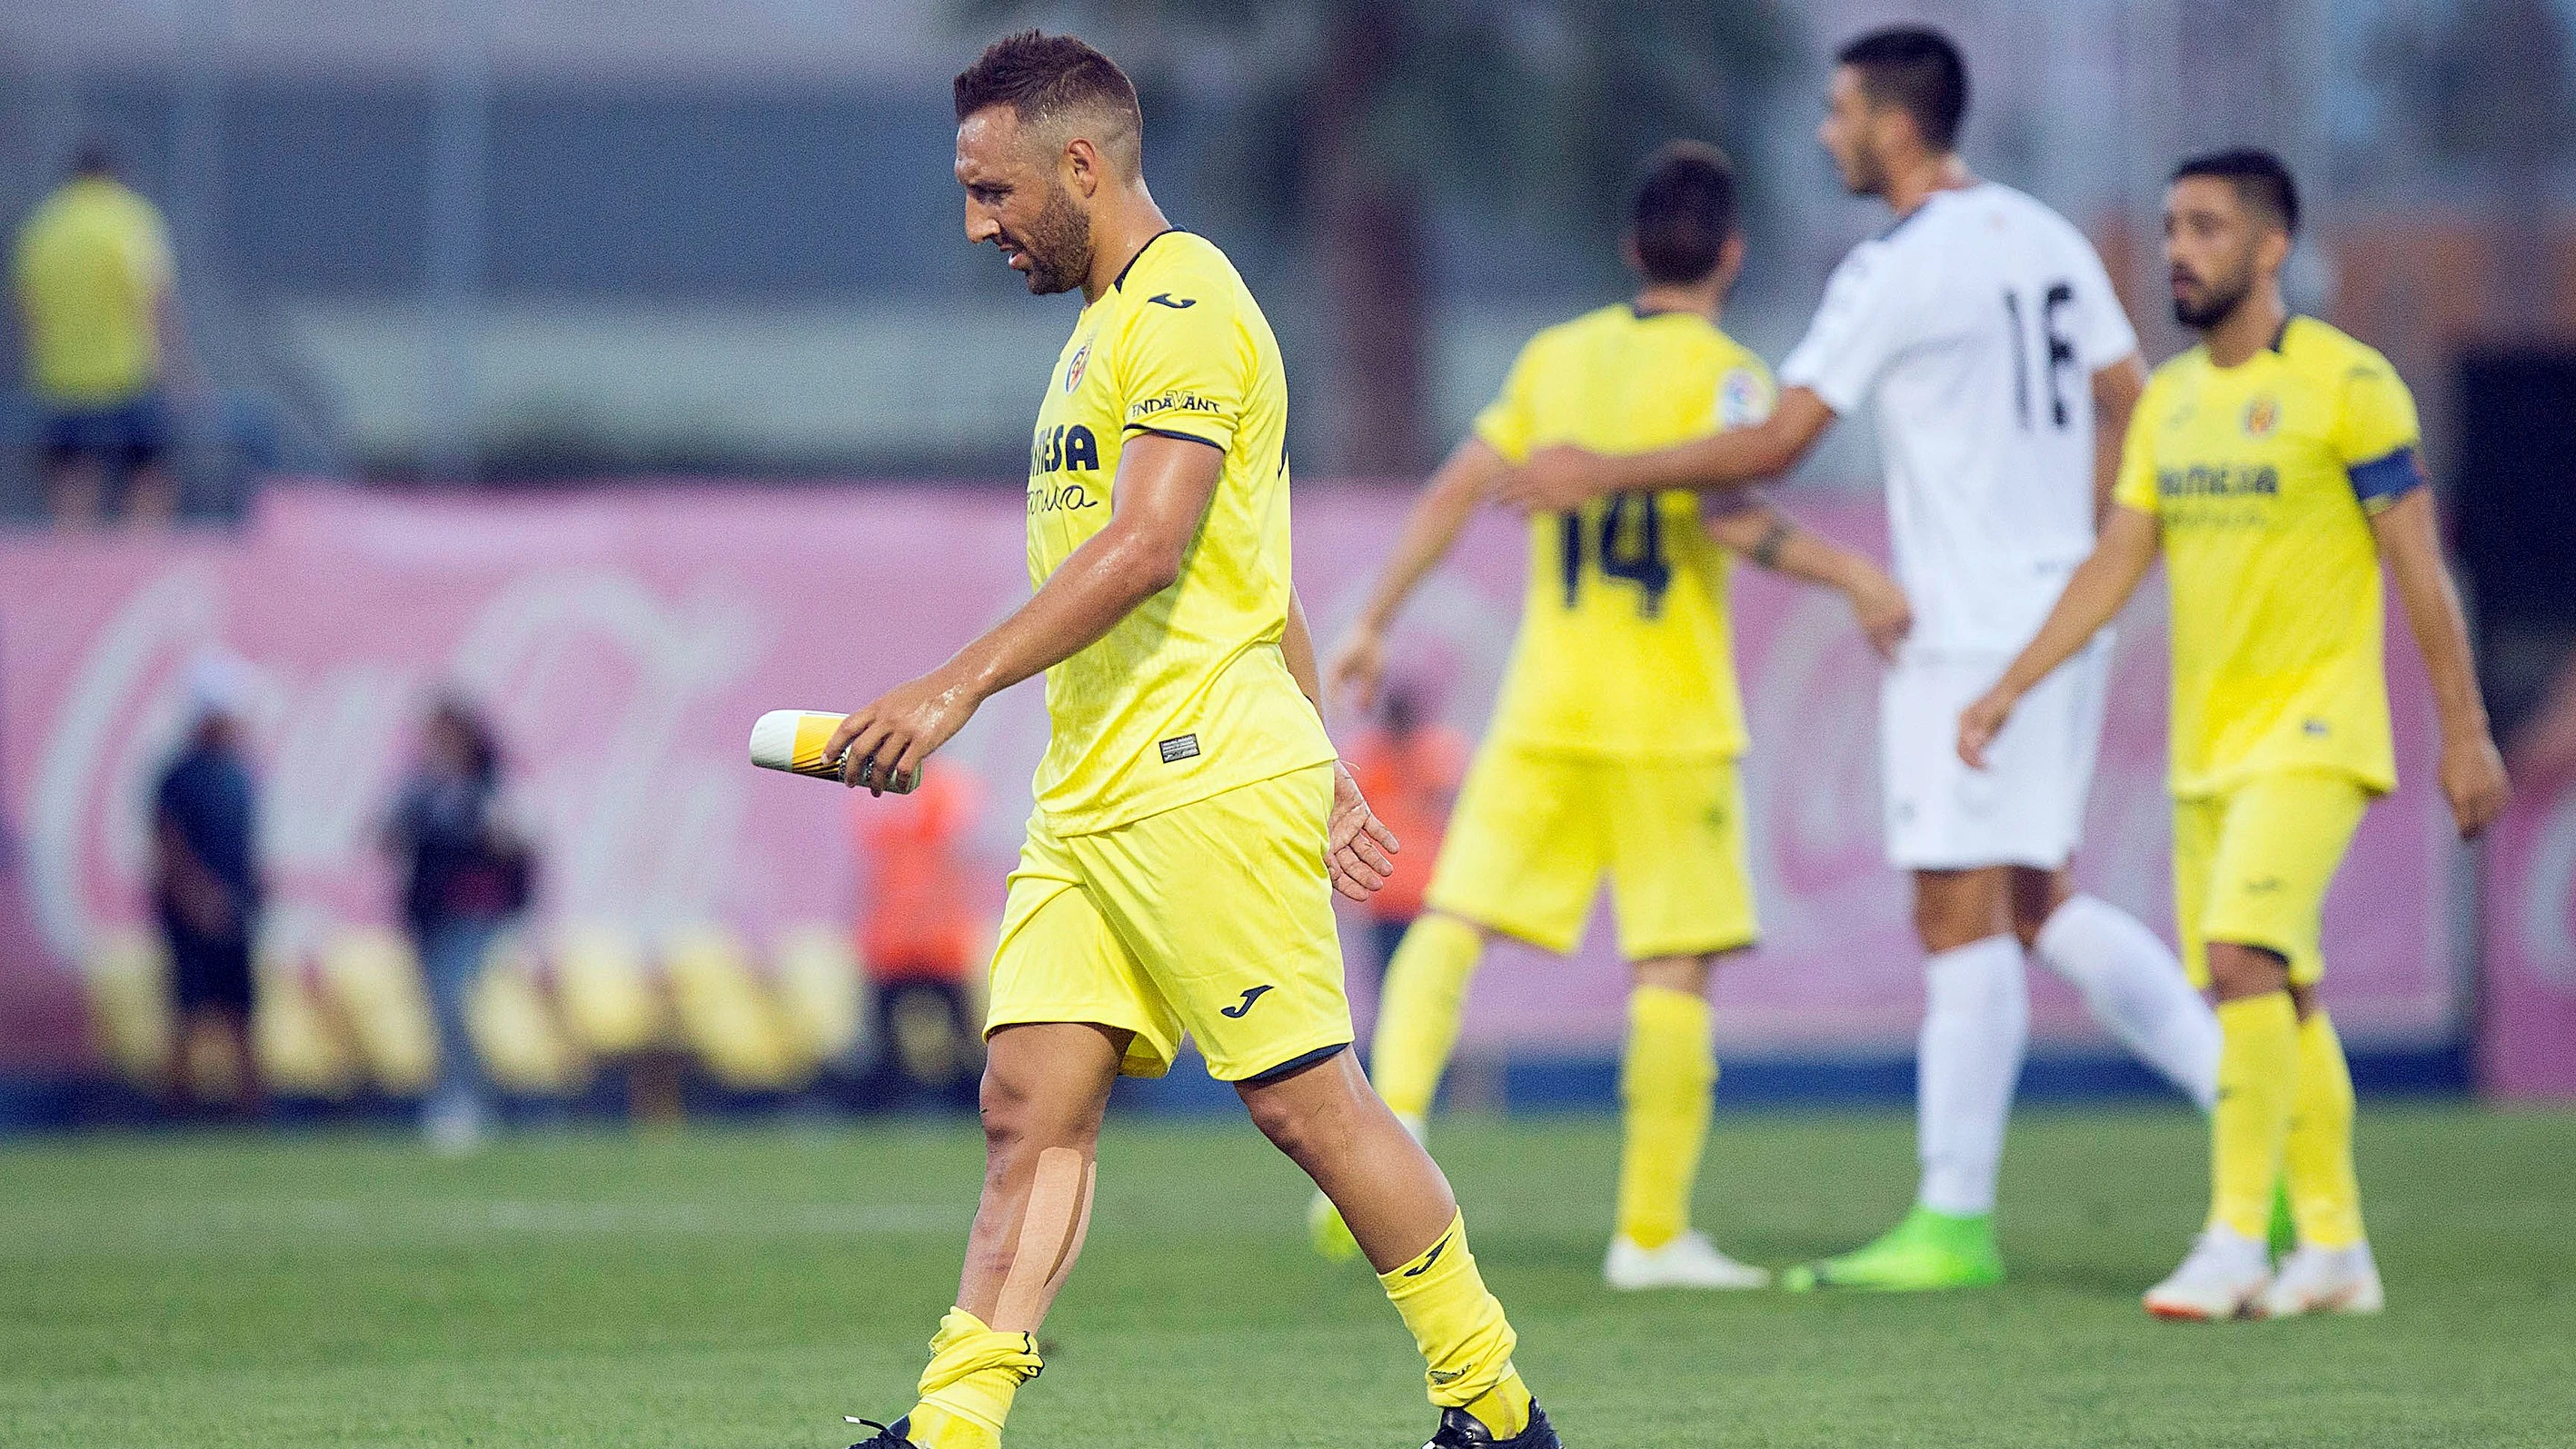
[
  {"x": 92, "y": 267},
  {"x": 1189, "y": 694},
  {"x": 2263, "y": 478},
  {"x": 1625, "y": 647}
]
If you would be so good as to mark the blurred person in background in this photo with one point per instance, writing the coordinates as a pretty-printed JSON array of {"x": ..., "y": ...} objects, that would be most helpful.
[
  {"x": 466, "y": 872},
  {"x": 1409, "y": 769},
  {"x": 98, "y": 305},
  {"x": 1614, "y": 745},
  {"x": 206, "y": 887},
  {"x": 919, "y": 932}
]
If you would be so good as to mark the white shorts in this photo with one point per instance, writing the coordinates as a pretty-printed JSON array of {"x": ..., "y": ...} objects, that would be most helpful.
[{"x": 2027, "y": 806}]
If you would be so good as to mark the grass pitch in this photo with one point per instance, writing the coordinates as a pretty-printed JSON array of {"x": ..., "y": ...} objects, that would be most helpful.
[{"x": 743, "y": 1288}]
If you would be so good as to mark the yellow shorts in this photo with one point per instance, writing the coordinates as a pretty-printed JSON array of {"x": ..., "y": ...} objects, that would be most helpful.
[
  {"x": 1214, "y": 919},
  {"x": 2251, "y": 866},
  {"x": 1534, "y": 832}
]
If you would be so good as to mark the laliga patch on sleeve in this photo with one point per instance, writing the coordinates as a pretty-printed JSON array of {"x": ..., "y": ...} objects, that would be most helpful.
[{"x": 1179, "y": 748}]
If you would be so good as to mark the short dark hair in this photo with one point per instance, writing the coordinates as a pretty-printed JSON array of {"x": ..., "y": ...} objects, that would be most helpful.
[
  {"x": 1682, "y": 211},
  {"x": 1918, "y": 70},
  {"x": 2262, "y": 181},
  {"x": 1041, "y": 76}
]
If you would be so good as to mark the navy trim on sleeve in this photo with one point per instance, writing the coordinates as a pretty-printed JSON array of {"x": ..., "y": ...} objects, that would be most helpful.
[
  {"x": 2382, "y": 481},
  {"x": 1185, "y": 437}
]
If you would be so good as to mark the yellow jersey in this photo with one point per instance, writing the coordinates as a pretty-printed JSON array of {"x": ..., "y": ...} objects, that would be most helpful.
[
  {"x": 92, "y": 264},
  {"x": 1624, "y": 647},
  {"x": 1189, "y": 694},
  {"x": 2263, "y": 478}
]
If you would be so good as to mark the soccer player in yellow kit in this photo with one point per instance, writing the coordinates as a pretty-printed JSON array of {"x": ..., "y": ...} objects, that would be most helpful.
[
  {"x": 1613, "y": 747},
  {"x": 1192, "y": 820},
  {"x": 2275, "y": 465}
]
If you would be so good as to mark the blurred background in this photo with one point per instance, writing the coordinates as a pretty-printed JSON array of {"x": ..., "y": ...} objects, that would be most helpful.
[{"x": 611, "y": 372}]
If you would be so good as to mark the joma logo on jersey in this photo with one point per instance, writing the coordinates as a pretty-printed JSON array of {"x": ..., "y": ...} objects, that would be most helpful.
[
  {"x": 1063, "y": 449},
  {"x": 2223, "y": 481}
]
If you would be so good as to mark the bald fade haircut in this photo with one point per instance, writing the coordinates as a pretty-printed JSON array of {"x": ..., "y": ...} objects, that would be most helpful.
[{"x": 1048, "y": 80}]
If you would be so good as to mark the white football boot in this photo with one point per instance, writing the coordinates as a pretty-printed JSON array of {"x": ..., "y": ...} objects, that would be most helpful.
[
  {"x": 2325, "y": 1280},
  {"x": 2224, "y": 1277},
  {"x": 1689, "y": 1261}
]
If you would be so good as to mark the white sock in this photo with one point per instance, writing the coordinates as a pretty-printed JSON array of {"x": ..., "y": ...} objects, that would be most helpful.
[
  {"x": 2135, "y": 988},
  {"x": 1976, "y": 1020}
]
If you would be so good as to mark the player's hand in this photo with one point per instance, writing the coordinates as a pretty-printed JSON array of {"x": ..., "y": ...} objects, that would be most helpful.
[
  {"x": 1357, "y": 845},
  {"x": 1886, "y": 616},
  {"x": 897, "y": 733},
  {"x": 1554, "y": 480},
  {"x": 2473, "y": 781},
  {"x": 1357, "y": 668},
  {"x": 1979, "y": 723}
]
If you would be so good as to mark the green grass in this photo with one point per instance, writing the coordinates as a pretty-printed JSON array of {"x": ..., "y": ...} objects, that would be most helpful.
[{"x": 746, "y": 1288}]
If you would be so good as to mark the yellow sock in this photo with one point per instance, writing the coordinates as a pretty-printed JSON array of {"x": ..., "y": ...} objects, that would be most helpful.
[
  {"x": 2258, "y": 1079},
  {"x": 1418, "y": 1010},
  {"x": 966, "y": 1392},
  {"x": 1666, "y": 1081},
  {"x": 1465, "y": 1340},
  {"x": 2325, "y": 1195}
]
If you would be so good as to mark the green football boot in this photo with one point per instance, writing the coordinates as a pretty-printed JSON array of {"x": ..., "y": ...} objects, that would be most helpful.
[
  {"x": 1326, "y": 1230},
  {"x": 1927, "y": 1250}
]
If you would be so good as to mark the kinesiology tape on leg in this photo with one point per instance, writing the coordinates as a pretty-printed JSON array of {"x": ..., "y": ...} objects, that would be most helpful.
[{"x": 1051, "y": 1232}]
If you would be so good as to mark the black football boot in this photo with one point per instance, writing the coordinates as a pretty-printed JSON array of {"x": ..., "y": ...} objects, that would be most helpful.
[
  {"x": 891, "y": 1436},
  {"x": 1462, "y": 1430}
]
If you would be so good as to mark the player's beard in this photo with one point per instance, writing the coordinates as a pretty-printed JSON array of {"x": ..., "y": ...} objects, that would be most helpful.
[
  {"x": 1058, "y": 244},
  {"x": 1862, "y": 175},
  {"x": 2218, "y": 301}
]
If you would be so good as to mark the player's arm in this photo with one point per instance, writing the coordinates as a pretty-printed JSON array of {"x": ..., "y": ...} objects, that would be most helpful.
[
  {"x": 2093, "y": 597},
  {"x": 1560, "y": 478},
  {"x": 2473, "y": 778},
  {"x": 1160, "y": 496},
  {"x": 2116, "y": 390},
  {"x": 1356, "y": 843},
  {"x": 1772, "y": 539},
  {"x": 1465, "y": 481}
]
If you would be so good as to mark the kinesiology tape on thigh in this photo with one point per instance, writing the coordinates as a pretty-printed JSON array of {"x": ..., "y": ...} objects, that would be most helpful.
[{"x": 1051, "y": 1232}]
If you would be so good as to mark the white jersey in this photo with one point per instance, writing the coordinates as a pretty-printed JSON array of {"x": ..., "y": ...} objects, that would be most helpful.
[{"x": 1974, "y": 326}]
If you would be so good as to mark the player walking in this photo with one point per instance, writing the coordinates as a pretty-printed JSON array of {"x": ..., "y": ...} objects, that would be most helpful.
[
  {"x": 1192, "y": 821},
  {"x": 1984, "y": 331},
  {"x": 2275, "y": 466},
  {"x": 1613, "y": 747}
]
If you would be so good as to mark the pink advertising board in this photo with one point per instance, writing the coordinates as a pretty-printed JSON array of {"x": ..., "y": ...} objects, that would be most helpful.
[
  {"x": 626, "y": 639},
  {"x": 2529, "y": 1005}
]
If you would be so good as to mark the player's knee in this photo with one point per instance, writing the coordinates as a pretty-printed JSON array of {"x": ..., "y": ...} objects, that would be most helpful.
[
  {"x": 2237, "y": 971},
  {"x": 2036, "y": 895},
  {"x": 1686, "y": 974},
  {"x": 1303, "y": 1119},
  {"x": 1947, "y": 921},
  {"x": 1016, "y": 1115}
]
